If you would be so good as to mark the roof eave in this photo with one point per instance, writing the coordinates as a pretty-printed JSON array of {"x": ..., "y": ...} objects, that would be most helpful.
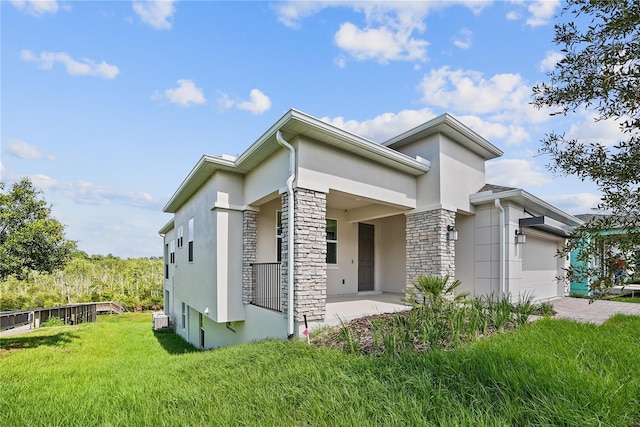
[
  {"x": 167, "y": 227},
  {"x": 463, "y": 135},
  {"x": 205, "y": 167},
  {"x": 526, "y": 198}
]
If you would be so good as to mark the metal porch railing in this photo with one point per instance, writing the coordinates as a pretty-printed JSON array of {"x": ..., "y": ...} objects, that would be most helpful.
[{"x": 265, "y": 285}]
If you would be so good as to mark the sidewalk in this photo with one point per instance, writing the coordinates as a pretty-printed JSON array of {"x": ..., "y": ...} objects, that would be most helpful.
[{"x": 598, "y": 312}]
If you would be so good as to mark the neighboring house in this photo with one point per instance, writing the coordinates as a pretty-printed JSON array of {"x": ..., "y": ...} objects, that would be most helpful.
[
  {"x": 367, "y": 217},
  {"x": 621, "y": 268}
]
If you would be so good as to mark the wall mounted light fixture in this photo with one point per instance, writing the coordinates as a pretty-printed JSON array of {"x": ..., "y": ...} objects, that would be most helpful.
[
  {"x": 452, "y": 233},
  {"x": 521, "y": 238}
]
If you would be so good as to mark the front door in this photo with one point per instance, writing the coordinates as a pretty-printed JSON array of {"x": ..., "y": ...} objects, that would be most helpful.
[{"x": 365, "y": 257}]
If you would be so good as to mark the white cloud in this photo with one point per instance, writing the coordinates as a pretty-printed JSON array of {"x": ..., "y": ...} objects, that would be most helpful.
[
  {"x": 384, "y": 126},
  {"x": 541, "y": 12},
  {"x": 503, "y": 97},
  {"x": 588, "y": 130},
  {"x": 550, "y": 60},
  {"x": 36, "y": 7},
  {"x": 341, "y": 61},
  {"x": 224, "y": 101},
  {"x": 513, "y": 16},
  {"x": 86, "y": 193},
  {"x": 538, "y": 12},
  {"x": 23, "y": 150},
  {"x": 511, "y": 134},
  {"x": 185, "y": 94},
  {"x": 515, "y": 173},
  {"x": 381, "y": 44},
  {"x": 389, "y": 30},
  {"x": 156, "y": 13},
  {"x": 580, "y": 203},
  {"x": 290, "y": 13},
  {"x": 389, "y": 125},
  {"x": 469, "y": 91},
  {"x": 86, "y": 67},
  {"x": 258, "y": 102},
  {"x": 464, "y": 40}
]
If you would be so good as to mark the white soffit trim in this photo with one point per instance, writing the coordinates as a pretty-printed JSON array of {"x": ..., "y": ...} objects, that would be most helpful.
[
  {"x": 200, "y": 173},
  {"x": 528, "y": 201},
  {"x": 447, "y": 125},
  {"x": 166, "y": 228},
  {"x": 293, "y": 123}
]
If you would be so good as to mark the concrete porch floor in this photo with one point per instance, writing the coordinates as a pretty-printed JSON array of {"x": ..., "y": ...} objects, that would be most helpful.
[{"x": 348, "y": 307}]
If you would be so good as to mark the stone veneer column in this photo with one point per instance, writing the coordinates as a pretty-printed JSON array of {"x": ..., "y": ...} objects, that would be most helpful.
[
  {"x": 428, "y": 250},
  {"x": 249, "y": 251},
  {"x": 310, "y": 254}
]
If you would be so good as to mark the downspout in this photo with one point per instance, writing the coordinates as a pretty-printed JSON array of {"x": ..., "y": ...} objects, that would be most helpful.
[
  {"x": 502, "y": 245},
  {"x": 292, "y": 177}
]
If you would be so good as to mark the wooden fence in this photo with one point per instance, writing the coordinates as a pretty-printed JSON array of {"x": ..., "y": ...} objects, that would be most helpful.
[{"x": 72, "y": 314}]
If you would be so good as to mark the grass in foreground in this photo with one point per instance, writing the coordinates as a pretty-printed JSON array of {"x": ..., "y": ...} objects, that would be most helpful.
[{"x": 118, "y": 372}]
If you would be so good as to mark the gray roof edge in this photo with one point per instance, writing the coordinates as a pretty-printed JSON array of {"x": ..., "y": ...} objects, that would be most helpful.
[
  {"x": 360, "y": 142},
  {"x": 460, "y": 128},
  {"x": 196, "y": 172},
  {"x": 557, "y": 214},
  {"x": 216, "y": 163}
]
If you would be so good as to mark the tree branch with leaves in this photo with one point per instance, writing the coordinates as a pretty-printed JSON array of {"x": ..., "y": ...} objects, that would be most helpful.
[
  {"x": 30, "y": 239},
  {"x": 600, "y": 72}
]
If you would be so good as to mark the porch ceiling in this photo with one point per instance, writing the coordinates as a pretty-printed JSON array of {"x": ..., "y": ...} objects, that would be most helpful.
[{"x": 361, "y": 208}]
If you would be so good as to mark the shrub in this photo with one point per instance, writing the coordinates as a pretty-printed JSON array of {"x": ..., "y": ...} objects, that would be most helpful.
[{"x": 52, "y": 321}]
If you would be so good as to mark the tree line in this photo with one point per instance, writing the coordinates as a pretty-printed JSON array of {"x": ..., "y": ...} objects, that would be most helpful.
[
  {"x": 40, "y": 267},
  {"x": 135, "y": 283}
]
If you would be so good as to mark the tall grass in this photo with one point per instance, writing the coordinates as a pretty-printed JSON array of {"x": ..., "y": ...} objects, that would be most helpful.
[
  {"x": 118, "y": 372},
  {"x": 438, "y": 319}
]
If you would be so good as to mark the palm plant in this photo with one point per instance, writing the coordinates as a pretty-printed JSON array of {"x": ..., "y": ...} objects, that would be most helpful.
[{"x": 434, "y": 292}]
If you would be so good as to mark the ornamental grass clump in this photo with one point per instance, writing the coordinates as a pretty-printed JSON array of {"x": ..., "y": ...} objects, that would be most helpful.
[{"x": 440, "y": 317}]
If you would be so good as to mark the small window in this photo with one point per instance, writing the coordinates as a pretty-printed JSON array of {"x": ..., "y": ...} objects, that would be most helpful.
[
  {"x": 166, "y": 261},
  {"x": 184, "y": 316},
  {"x": 172, "y": 252},
  {"x": 279, "y": 236},
  {"x": 191, "y": 240},
  {"x": 332, "y": 241},
  {"x": 180, "y": 236},
  {"x": 201, "y": 325}
]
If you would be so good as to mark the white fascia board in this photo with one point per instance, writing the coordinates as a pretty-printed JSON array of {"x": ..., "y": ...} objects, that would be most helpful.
[
  {"x": 465, "y": 136},
  {"x": 208, "y": 164},
  {"x": 351, "y": 142},
  {"x": 166, "y": 228},
  {"x": 358, "y": 142},
  {"x": 527, "y": 200},
  {"x": 205, "y": 167}
]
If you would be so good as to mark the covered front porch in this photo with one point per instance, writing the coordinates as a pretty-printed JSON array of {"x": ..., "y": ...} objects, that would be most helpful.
[{"x": 353, "y": 255}]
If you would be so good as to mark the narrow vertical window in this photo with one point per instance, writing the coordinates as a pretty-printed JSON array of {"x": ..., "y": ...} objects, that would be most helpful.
[
  {"x": 279, "y": 236},
  {"x": 180, "y": 236},
  {"x": 201, "y": 324},
  {"x": 190, "y": 240},
  {"x": 166, "y": 261},
  {"x": 332, "y": 241},
  {"x": 184, "y": 316},
  {"x": 172, "y": 252}
]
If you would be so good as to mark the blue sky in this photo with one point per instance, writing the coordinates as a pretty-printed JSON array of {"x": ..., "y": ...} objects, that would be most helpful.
[{"x": 107, "y": 106}]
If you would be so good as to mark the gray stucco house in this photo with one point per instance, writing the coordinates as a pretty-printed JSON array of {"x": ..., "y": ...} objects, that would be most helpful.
[{"x": 367, "y": 218}]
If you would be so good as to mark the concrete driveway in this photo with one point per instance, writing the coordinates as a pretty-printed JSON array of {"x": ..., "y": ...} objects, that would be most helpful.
[{"x": 597, "y": 312}]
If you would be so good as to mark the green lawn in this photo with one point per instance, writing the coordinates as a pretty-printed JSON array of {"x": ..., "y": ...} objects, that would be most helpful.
[{"x": 118, "y": 372}]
